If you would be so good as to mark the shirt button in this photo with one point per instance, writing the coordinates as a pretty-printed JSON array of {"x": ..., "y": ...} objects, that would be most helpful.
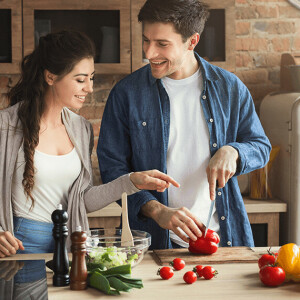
[
  {"x": 211, "y": 120},
  {"x": 214, "y": 145},
  {"x": 203, "y": 97},
  {"x": 144, "y": 123},
  {"x": 222, "y": 218},
  {"x": 228, "y": 243},
  {"x": 219, "y": 193}
]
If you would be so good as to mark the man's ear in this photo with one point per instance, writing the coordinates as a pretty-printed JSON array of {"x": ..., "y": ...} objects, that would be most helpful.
[
  {"x": 49, "y": 77},
  {"x": 193, "y": 41}
]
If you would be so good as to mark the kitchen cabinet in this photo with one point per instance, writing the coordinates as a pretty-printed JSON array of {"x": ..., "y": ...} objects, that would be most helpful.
[
  {"x": 106, "y": 22},
  {"x": 11, "y": 36},
  {"x": 112, "y": 24},
  {"x": 266, "y": 212}
]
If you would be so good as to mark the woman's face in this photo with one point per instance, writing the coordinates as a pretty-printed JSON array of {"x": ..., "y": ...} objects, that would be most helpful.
[{"x": 72, "y": 89}]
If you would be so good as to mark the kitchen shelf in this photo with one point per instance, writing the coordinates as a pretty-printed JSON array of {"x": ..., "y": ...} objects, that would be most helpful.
[
  {"x": 95, "y": 18},
  {"x": 11, "y": 36},
  {"x": 266, "y": 212}
]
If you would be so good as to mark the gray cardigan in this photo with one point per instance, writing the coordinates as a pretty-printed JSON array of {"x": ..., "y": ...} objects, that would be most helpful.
[{"x": 83, "y": 196}]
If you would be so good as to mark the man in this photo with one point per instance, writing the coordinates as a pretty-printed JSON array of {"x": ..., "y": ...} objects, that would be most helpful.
[{"x": 184, "y": 116}]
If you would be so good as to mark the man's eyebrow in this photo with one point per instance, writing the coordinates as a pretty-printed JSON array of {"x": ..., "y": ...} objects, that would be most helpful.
[
  {"x": 83, "y": 74},
  {"x": 158, "y": 40}
]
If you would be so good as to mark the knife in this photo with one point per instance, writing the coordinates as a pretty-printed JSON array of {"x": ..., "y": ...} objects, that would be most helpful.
[{"x": 209, "y": 216}]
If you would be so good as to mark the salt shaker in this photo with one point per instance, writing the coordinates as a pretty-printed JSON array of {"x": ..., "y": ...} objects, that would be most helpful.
[
  {"x": 78, "y": 274},
  {"x": 60, "y": 256}
]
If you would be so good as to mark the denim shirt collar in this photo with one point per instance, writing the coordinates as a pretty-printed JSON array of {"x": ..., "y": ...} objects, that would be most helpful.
[{"x": 208, "y": 73}]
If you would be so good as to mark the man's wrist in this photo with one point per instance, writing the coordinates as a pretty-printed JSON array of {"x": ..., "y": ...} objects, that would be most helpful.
[{"x": 151, "y": 209}]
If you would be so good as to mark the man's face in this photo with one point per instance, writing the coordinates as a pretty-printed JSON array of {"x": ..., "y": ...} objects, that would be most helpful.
[{"x": 167, "y": 53}]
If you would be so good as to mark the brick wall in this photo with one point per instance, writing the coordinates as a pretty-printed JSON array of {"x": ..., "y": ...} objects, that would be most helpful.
[{"x": 264, "y": 30}]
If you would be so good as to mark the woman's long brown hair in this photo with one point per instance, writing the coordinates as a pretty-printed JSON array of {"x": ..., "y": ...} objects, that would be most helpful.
[{"x": 58, "y": 53}]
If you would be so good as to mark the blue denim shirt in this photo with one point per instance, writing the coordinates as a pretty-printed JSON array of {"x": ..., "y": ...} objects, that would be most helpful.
[{"x": 135, "y": 133}]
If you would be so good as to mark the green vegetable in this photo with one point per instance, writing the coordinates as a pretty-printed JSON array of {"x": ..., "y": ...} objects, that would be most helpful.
[
  {"x": 114, "y": 280},
  {"x": 99, "y": 282},
  {"x": 118, "y": 284}
]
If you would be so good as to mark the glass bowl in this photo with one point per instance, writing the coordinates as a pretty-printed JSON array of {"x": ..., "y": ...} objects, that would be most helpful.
[{"x": 104, "y": 247}]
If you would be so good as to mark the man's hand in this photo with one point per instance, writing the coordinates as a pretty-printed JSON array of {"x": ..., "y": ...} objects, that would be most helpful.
[
  {"x": 152, "y": 180},
  {"x": 221, "y": 167},
  {"x": 173, "y": 219},
  {"x": 9, "y": 244}
]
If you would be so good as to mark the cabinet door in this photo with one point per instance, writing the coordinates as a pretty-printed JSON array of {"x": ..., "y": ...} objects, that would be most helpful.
[
  {"x": 138, "y": 59},
  {"x": 107, "y": 22},
  {"x": 217, "y": 42},
  {"x": 10, "y": 36}
]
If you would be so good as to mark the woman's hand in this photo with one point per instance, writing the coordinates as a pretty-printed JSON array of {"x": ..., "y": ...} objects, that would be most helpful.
[
  {"x": 9, "y": 268},
  {"x": 9, "y": 244},
  {"x": 152, "y": 180}
]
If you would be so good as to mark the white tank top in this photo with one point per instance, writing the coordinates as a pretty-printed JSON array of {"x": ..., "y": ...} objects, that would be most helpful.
[{"x": 54, "y": 175}]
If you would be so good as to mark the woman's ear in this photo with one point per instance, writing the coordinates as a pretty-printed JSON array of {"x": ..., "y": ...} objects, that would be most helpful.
[
  {"x": 194, "y": 40},
  {"x": 49, "y": 77}
]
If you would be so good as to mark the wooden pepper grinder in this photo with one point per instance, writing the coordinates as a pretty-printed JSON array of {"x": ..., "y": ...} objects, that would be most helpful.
[
  {"x": 78, "y": 274},
  {"x": 60, "y": 255}
]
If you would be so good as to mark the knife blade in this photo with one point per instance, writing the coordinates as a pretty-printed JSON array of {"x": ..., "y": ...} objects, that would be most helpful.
[{"x": 209, "y": 216}]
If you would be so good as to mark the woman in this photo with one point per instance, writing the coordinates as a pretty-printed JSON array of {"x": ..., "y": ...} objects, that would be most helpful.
[{"x": 45, "y": 148}]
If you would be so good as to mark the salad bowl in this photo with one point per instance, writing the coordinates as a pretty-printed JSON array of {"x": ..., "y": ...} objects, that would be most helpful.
[{"x": 104, "y": 247}]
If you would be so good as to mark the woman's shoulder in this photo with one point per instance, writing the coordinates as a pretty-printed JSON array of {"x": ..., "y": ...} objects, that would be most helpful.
[{"x": 10, "y": 114}]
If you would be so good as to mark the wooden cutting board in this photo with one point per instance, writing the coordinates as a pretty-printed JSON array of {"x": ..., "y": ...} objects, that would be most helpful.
[{"x": 222, "y": 256}]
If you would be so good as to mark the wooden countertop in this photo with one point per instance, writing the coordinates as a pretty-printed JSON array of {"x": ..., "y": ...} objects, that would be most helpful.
[
  {"x": 234, "y": 281},
  {"x": 264, "y": 206},
  {"x": 252, "y": 206}
]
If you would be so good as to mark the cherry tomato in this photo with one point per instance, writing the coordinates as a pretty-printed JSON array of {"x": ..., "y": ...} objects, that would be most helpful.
[
  {"x": 198, "y": 269},
  {"x": 209, "y": 272},
  {"x": 190, "y": 277},
  {"x": 177, "y": 264},
  {"x": 165, "y": 272},
  {"x": 266, "y": 259},
  {"x": 271, "y": 275}
]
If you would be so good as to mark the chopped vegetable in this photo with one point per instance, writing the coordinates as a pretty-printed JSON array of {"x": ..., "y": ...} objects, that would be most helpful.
[{"x": 110, "y": 257}]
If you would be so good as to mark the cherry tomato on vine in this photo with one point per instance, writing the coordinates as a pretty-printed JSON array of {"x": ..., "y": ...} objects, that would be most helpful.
[
  {"x": 190, "y": 277},
  {"x": 266, "y": 259},
  {"x": 209, "y": 272},
  {"x": 271, "y": 275},
  {"x": 198, "y": 269},
  {"x": 177, "y": 264},
  {"x": 165, "y": 272}
]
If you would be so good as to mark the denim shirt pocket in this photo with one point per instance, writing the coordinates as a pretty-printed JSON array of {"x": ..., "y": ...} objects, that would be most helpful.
[{"x": 146, "y": 134}]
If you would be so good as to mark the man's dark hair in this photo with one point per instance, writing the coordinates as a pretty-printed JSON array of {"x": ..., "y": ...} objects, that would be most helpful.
[{"x": 187, "y": 16}]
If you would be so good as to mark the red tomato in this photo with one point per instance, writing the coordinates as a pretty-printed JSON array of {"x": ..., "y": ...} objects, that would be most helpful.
[
  {"x": 209, "y": 272},
  {"x": 177, "y": 263},
  {"x": 198, "y": 269},
  {"x": 165, "y": 272},
  {"x": 271, "y": 275},
  {"x": 207, "y": 245},
  {"x": 266, "y": 259},
  {"x": 190, "y": 277}
]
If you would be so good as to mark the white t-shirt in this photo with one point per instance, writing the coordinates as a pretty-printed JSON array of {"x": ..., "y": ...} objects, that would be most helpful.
[
  {"x": 188, "y": 151},
  {"x": 54, "y": 176}
]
